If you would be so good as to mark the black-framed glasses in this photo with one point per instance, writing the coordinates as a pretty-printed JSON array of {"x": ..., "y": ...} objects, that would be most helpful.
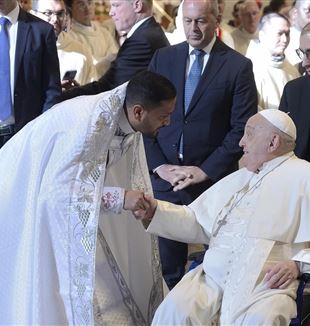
[
  {"x": 302, "y": 54},
  {"x": 49, "y": 13}
]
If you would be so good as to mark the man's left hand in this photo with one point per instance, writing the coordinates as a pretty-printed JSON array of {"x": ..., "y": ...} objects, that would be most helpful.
[
  {"x": 281, "y": 275},
  {"x": 194, "y": 175}
]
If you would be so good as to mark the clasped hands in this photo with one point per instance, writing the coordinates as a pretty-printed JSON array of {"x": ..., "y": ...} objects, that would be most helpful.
[
  {"x": 181, "y": 177},
  {"x": 141, "y": 205}
]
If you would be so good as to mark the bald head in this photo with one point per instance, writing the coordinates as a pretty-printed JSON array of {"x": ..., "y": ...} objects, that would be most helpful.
[{"x": 200, "y": 20}]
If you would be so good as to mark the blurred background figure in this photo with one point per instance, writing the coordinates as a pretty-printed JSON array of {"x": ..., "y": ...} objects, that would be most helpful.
[
  {"x": 249, "y": 14},
  {"x": 25, "y": 4},
  {"x": 300, "y": 15},
  {"x": 95, "y": 37},
  {"x": 235, "y": 21},
  {"x": 271, "y": 70},
  {"x": 72, "y": 54},
  {"x": 279, "y": 6}
]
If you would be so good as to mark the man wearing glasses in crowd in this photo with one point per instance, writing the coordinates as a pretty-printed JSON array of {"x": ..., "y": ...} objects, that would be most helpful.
[
  {"x": 296, "y": 98},
  {"x": 29, "y": 68}
]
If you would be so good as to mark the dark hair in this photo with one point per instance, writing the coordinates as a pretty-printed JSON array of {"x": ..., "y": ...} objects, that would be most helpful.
[
  {"x": 149, "y": 89},
  {"x": 267, "y": 18},
  {"x": 68, "y": 3},
  {"x": 274, "y": 6}
]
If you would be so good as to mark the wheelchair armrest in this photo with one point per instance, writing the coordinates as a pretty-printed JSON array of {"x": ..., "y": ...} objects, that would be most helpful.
[{"x": 305, "y": 277}]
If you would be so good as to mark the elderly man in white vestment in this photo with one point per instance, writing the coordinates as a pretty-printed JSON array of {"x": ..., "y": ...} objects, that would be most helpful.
[
  {"x": 257, "y": 223},
  {"x": 57, "y": 266}
]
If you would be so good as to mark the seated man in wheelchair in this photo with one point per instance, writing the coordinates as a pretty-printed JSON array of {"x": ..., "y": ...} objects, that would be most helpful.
[{"x": 256, "y": 222}]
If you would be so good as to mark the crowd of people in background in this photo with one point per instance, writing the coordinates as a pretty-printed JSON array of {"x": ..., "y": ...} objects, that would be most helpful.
[{"x": 226, "y": 71}]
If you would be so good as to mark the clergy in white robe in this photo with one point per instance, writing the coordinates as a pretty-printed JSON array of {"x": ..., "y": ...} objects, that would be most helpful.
[
  {"x": 249, "y": 14},
  {"x": 64, "y": 258},
  {"x": 73, "y": 55},
  {"x": 99, "y": 41},
  {"x": 256, "y": 222},
  {"x": 271, "y": 69}
]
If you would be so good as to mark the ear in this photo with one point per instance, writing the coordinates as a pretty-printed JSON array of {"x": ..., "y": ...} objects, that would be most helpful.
[
  {"x": 137, "y": 5},
  {"x": 274, "y": 143},
  {"x": 138, "y": 112}
]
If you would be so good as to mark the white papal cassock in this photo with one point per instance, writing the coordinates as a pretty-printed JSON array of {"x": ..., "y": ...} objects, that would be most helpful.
[
  {"x": 52, "y": 179},
  {"x": 265, "y": 219}
]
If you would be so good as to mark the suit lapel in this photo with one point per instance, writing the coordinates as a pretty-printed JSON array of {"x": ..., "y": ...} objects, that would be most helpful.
[
  {"x": 180, "y": 72},
  {"x": 22, "y": 34},
  {"x": 216, "y": 61}
]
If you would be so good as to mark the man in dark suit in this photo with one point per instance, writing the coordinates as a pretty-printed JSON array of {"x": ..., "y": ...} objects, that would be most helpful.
[
  {"x": 296, "y": 98},
  {"x": 144, "y": 37},
  {"x": 200, "y": 146},
  {"x": 33, "y": 82}
]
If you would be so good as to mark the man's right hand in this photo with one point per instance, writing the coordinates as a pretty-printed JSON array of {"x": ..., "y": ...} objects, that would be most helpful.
[{"x": 167, "y": 172}]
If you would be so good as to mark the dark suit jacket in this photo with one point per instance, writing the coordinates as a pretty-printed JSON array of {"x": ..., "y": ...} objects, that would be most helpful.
[
  {"x": 213, "y": 126},
  {"x": 133, "y": 56},
  {"x": 37, "y": 80},
  {"x": 296, "y": 100}
]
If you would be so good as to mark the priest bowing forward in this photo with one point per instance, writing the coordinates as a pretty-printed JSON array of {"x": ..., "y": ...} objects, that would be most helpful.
[
  {"x": 256, "y": 222},
  {"x": 66, "y": 258}
]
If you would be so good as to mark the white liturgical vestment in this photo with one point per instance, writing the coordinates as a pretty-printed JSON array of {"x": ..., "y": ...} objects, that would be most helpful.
[
  {"x": 54, "y": 231},
  {"x": 270, "y": 75},
  {"x": 251, "y": 221},
  {"x": 73, "y": 56},
  {"x": 99, "y": 41},
  {"x": 242, "y": 39}
]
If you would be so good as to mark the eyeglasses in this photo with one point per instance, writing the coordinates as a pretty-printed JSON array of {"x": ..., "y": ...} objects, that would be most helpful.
[
  {"x": 49, "y": 13},
  {"x": 302, "y": 54}
]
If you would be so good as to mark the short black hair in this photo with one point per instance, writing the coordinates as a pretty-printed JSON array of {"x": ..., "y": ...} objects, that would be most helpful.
[
  {"x": 149, "y": 89},
  {"x": 68, "y": 3}
]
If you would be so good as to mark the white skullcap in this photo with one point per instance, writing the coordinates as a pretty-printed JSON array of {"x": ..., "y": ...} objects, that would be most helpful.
[{"x": 281, "y": 120}]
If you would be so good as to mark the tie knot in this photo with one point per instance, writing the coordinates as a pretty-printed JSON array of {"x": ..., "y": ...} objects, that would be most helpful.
[
  {"x": 3, "y": 21},
  {"x": 198, "y": 52}
]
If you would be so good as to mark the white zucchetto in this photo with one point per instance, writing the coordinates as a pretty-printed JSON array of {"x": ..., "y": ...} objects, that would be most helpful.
[{"x": 281, "y": 120}]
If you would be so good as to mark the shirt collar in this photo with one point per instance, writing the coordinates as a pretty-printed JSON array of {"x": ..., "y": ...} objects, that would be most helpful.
[
  {"x": 124, "y": 124},
  {"x": 136, "y": 25},
  {"x": 207, "y": 49},
  {"x": 12, "y": 16},
  {"x": 269, "y": 165}
]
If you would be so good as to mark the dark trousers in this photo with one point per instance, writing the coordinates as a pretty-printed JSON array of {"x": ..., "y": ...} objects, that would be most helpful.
[{"x": 173, "y": 255}]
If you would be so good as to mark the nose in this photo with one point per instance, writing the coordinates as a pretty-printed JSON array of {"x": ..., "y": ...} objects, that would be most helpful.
[
  {"x": 111, "y": 13},
  {"x": 241, "y": 142}
]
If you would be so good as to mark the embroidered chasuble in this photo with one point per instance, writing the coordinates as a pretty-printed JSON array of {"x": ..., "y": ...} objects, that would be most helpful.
[{"x": 56, "y": 234}]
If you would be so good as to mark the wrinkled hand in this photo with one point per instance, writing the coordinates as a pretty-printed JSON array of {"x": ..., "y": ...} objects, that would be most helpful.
[
  {"x": 134, "y": 200},
  {"x": 193, "y": 174},
  {"x": 67, "y": 84},
  {"x": 169, "y": 173},
  {"x": 281, "y": 275},
  {"x": 149, "y": 209}
]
